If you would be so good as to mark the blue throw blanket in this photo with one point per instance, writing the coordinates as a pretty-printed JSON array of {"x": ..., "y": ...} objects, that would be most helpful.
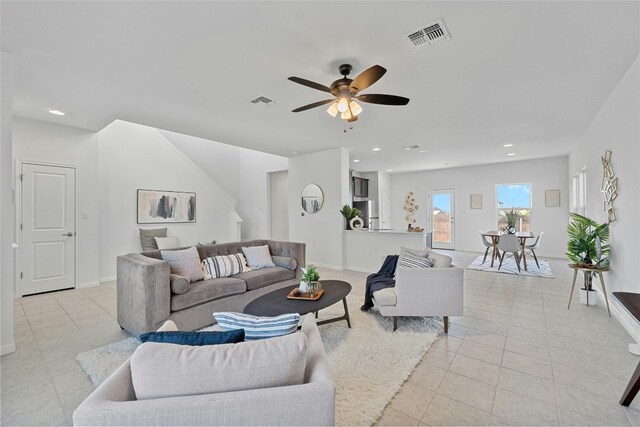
[{"x": 384, "y": 278}]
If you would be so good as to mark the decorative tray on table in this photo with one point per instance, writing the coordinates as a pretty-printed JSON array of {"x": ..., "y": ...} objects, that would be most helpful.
[{"x": 296, "y": 294}]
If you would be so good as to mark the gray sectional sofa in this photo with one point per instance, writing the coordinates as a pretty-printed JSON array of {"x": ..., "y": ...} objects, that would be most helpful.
[{"x": 146, "y": 299}]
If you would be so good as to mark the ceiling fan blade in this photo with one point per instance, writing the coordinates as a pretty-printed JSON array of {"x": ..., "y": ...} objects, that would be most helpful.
[
  {"x": 310, "y": 84},
  {"x": 314, "y": 105},
  {"x": 367, "y": 78},
  {"x": 383, "y": 99}
]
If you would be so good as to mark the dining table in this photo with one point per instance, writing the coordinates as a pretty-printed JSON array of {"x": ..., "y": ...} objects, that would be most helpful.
[{"x": 495, "y": 238}]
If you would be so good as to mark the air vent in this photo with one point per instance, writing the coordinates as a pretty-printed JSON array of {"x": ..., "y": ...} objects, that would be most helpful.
[
  {"x": 427, "y": 35},
  {"x": 411, "y": 147},
  {"x": 263, "y": 100}
]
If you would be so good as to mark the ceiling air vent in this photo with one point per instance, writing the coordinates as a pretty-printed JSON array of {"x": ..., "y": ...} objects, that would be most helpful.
[
  {"x": 411, "y": 147},
  {"x": 263, "y": 100},
  {"x": 427, "y": 35}
]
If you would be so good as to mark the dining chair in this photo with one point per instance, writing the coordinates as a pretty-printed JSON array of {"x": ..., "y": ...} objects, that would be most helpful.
[
  {"x": 534, "y": 246},
  {"x": 487, "y": 244},
  {"x": 510, "y": 243}
]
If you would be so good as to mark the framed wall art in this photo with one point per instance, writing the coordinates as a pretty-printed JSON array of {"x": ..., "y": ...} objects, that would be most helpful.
[
  {"x": 552, "y": 198},
  {"x": 476, "y": 201},
  {"x": 157, "y": 206}
]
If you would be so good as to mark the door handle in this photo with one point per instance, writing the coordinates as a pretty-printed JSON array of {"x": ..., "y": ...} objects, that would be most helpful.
[{"x": 69, "y": 234}]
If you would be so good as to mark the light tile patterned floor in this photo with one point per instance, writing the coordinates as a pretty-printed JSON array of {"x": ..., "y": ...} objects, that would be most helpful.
[{"x": 518, "y": 356}]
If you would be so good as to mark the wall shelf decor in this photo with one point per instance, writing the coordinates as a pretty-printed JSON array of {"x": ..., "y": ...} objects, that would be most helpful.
[
  {"x": 552, "y": 198},
  {"x": 476, "y": 201},
  {"x": 156, "y": 206},
  {"x": 609, "y": 185}
]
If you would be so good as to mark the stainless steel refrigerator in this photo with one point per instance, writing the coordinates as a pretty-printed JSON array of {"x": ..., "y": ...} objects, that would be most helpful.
[{"x": 369, "y": 215}]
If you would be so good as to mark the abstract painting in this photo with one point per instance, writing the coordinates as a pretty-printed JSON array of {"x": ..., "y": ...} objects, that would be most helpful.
[{"x": 166, "y": 206}]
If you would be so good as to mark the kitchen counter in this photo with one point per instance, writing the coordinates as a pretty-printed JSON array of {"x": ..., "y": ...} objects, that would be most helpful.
[
  {"x": 364, "y": 250},
  {"x": 387, "y": 231}
]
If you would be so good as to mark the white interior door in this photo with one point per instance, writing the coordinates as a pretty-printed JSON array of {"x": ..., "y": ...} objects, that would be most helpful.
[
  {"x": 48, "y": 228},
  {"x": 442, "y": 218}
]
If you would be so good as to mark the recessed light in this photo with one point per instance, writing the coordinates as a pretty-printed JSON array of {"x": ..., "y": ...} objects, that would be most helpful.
[
  {"x": 56, "y": 112},
  {"x": 511, "y": 154},
  {"x": 389, "y": 170},
  {"x": 376, "y": 149},
  {"x": 507, "y": 145},
  {"x": 356, "y": 161},
  {"x": 422, "y": 151}
]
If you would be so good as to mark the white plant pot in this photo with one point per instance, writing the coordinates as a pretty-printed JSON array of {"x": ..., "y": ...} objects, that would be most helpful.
[
  {"x": 304, "y": 286},
  {"x": 593, "y": 297}
]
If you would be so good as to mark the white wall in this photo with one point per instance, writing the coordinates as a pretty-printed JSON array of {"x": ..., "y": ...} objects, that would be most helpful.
[
  {"x": 240, "y": 172},
  {"x": 136, "y": 157},
  {"x": 616, "y": 127},
  {"x": 322, "y": 231},
  {"x": 45, "y": 142},
  {"x": 543, "y": 174},
  {"x": 279, "y": 205},
  {"x": 7, "y": 344},
  {"x": 384, "y": 189}
]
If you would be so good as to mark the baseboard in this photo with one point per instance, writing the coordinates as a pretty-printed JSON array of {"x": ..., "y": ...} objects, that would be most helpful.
[
  {"x": 87, "y": 285},
  {"x": 323, "y": 265},
  {"x": 8, "y": 348},
  {"x": 107, "y": 279},
  {"x": 358, "y": 269}
]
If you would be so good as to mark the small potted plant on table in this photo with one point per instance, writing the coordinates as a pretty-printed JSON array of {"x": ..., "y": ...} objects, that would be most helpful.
[
  {"x": 310, "y": 278},
  {"x": 349, "y": 213},
  {"x": 586, "y": 248}
]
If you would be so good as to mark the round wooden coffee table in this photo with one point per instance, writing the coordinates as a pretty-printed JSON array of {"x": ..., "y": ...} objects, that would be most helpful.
[{"x": 276, "y": 303}]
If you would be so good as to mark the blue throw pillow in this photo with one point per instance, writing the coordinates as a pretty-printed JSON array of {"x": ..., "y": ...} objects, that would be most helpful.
[{"x": 195, "y": 338}]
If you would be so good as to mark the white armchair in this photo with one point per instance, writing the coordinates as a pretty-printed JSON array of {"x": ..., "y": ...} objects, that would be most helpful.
[{"x": 419, "y": 292}]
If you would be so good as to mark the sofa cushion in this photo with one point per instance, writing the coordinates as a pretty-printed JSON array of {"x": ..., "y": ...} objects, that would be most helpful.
[
  {"x": 224, "y": 266},
  {"x": 386, "y": 296},
  {"x": 166, "y": 370},
  {"x": 195, "y": 338},
  {"x": 179, "y": 284},
  {"x": 258, "y": 257},
  {"x": 257, "y": 279},
  {"x": 148, "y": 237},
  {"x": 285, "y": 262},
  {"x": 208, "y": 290},
  {"x": 258, "y": 327},
  {"x": 184, "y": 262}
]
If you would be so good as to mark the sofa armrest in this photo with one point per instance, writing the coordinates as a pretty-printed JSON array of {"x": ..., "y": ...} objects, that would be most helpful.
[
  {"x": 144, "y": 293},
  {"x": 291, "y": 250},
  {"x": 430, "y": 291}
]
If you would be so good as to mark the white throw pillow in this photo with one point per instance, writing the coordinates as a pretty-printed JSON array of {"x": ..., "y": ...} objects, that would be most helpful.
[
  {"x": 167, "y": 370},
  {"x": 258, "y": 257},
  {"x": 185, "y": 263},
  {"x": 167, "y": 242},
  {"x": 224, "y": 266}
]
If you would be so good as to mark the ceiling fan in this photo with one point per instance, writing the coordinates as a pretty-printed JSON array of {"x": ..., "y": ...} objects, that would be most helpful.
[{"x": 346, "y": 92}]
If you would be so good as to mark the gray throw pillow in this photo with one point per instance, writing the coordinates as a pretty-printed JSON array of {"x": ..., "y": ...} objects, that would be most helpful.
[
  {"x": 148, "y": 237},
  {"x": 258, "y": 257},
  {"x": 185, "y": 263}
]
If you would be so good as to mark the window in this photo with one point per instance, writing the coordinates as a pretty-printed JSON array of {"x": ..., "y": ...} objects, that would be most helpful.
[
  {"x": 514, "y": 199},
  {"x": 579, "y": 193}
]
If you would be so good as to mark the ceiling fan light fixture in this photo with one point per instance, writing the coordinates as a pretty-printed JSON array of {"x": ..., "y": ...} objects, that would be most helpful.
[
  {"x": 333, "y": 109},
  {"x": 343, "y": 104},
  {"x": 355, "y": 108},
  {"x": 346, "y": 115}
]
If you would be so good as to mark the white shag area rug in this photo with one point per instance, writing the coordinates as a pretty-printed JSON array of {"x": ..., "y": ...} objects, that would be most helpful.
[
  {"x": 509, "y": 267},
  {"x": 369, "y": 363}
]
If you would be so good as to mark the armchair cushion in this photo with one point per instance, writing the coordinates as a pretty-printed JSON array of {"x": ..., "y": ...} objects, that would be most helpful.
[
  {"x": 439, "y": 260},
  {"x": 166, "y": 370},
  {"x": 385, "y": 296}
]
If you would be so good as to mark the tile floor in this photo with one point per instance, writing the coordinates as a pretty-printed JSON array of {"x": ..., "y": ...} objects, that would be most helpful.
[{"x": 517, "y": 357}]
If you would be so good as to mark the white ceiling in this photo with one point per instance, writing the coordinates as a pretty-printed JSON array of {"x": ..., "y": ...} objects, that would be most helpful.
[{"x": 533, "y": 74}]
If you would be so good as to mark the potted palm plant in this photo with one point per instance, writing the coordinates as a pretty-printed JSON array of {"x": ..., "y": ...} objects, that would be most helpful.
[
  {"x": 587, "y": 247},
  {"x": 512, "y": 220}
]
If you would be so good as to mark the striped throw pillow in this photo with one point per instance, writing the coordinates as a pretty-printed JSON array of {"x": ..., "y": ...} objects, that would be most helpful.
[
  {"x": 224, "y": 266},
  {"x": 412, "y": 261},
  {"x": 256, "y": 327}
]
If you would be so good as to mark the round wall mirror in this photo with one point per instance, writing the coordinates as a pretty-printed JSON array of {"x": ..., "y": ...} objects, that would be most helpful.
[{"x": 312, "y": 198}]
